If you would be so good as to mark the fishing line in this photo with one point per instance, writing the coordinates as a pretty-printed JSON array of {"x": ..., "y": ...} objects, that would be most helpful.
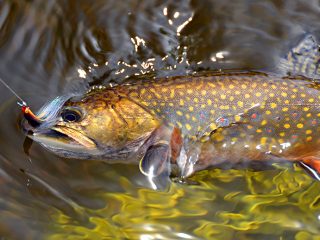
[{"x": 22, "y": 103}]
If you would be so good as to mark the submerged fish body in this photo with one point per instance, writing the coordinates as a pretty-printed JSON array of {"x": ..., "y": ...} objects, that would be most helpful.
[
  {"x": 191, "y": 122},
  {"x": 203, "y": 120}
]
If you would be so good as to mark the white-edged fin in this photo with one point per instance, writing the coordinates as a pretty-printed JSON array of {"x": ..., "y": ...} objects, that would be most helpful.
[
  {"x": 303, "y": 59},
  {"x": 155, "y": 160}
]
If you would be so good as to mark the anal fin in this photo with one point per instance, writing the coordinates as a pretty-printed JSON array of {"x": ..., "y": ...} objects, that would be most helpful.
[{"x": 312, "y": 166}]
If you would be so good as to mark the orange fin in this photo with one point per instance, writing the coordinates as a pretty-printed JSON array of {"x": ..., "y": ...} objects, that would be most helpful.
[{"x": 312, "y": 166}]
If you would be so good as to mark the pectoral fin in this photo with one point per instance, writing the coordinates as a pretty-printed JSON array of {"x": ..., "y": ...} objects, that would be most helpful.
[
  {"x": 312, "y": 166},
  {"x": 156, "y": 159}
]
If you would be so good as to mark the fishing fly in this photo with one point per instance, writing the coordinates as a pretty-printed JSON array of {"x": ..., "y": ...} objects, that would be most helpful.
[{"x": 33, "y": 120}]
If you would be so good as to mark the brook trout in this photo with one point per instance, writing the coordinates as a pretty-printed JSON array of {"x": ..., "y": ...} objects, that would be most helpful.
[{"x": 189, "y": 122}]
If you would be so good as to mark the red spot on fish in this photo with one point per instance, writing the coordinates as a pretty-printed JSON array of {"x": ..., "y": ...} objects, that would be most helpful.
[
  {"x": 222, "y": 120},
  {"x": 254, "y": 116},
  {"x": 294, "y": 136},
  {"x": 202, "y": 116},
  {"x": 269, "y": 130},
  {"x": 294, "y": 114},
  {"x": 314, "y": 122}
]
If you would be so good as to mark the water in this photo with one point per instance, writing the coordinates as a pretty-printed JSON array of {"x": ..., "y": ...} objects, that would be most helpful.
[{"x": 50, "y": 47}]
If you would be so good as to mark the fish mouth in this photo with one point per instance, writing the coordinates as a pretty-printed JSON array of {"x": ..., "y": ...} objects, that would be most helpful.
[{"x": 65, "y": 141}]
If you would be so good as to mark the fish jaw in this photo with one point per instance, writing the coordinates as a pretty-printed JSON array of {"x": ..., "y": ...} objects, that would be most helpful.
[{"x": 66, "y": 142}]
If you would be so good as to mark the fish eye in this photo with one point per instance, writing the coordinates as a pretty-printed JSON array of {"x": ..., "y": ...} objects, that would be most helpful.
[{"x": 71, "y": 115}]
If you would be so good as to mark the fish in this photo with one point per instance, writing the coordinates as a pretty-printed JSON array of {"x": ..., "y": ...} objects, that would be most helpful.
[{"x": 184, "y": 124}]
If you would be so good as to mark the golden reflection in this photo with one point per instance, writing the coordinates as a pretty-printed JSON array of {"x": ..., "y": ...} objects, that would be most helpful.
[{"x": 226, "y": 204}]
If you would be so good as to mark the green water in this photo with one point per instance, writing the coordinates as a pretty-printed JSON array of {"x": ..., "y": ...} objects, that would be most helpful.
[{"x": 48, "y": 46}]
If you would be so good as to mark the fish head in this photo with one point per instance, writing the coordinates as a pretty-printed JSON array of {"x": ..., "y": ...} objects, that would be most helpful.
[{"x": 96, "y": 125}]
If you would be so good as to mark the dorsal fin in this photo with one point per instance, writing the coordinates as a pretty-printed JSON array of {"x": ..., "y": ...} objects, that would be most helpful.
[{"x": 303, "y": 59}]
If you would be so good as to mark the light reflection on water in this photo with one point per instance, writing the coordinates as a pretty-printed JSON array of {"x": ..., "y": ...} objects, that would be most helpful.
[{"x": 47, "y": 46}]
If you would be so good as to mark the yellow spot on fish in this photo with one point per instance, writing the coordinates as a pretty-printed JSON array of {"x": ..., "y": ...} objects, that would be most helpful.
[
  {"x": 273, "y": 86},
  {"x": 231, "y": 86},
  {"x": 193, "y": 119},
  {"x": 271, "y": 94},
  {"x": 196, "y": 100},
  {"x": 143, "y": 91},
  {"x": 231, "y": 98},
  {"x": 268, "y": 112},
  {"x": 286, "y": 125},
  {"x": 309, "y": 139},
  {"x": 237, "y": 118},
  {"x": 309, "y": 131},
  {"x": 187, "y": 116},
  {"x": 258, "y": 94},
  {"x": 244, "y": 86},
  {"x": 212, "y": 111},
  {"x": 219, "y": 137},
  {"x": 273, "y": 105},
  {"x": 179, "y": 113},
  {"x": 223, "y": 96},
  {"x": 282, "y": 134},
  {"x": 284, "y": 94},
  {"x": 189, "y": 91},
  {"x": 264, "y": 122},
  {"x": 247, "y": 95},
  {"x": 179, "y": 124},
  {"x": 172, "y": 93},
  {"x": 259, "y": 130},
  {"x": 302, "y": 95},
  {"x": 263, "y": 140},
  {"x": 295, "y": 90},
  {"x": 188, "y": 127},
  {"x": 203, "y": 92},
  {"x": 237, "y": 92},
  {"x": 209, "y": 102},
  {"x": 311, "y": 100},
  {"x": 134, "y": 94},
  {"x": 194, "y": 138},
  {"x": 213, "y": 126},
  {"x": 164, "y": 90},
  {"x": 309, "y": 115},
  {"x": 171, "y": 104},
  {"x": 240, "y": 104},
  {"x": 306, "y": 109},
  {"x": 286, "y": 101},
  {"x": 191, "y": 109},
  {"x": 234, "y": 139},
  {"x": 299, "y": 125},
  {"x": 285, "y": 109}
]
